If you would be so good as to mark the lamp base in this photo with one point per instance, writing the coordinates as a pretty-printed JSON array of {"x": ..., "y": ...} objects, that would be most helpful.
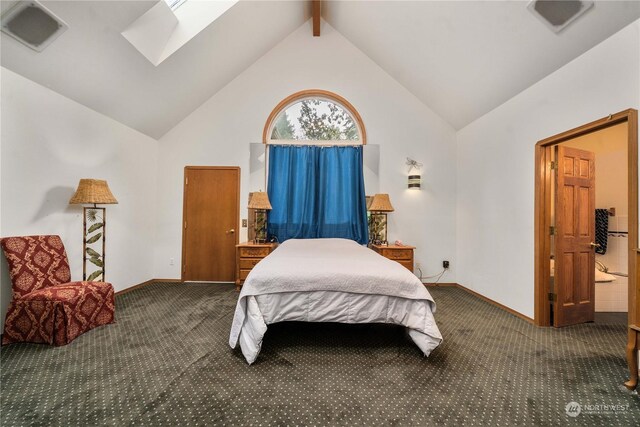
[
  {"x": 378, "y": 228},
  {"x": 261, "y": 226},
  {"x": 93, "y": 247}
]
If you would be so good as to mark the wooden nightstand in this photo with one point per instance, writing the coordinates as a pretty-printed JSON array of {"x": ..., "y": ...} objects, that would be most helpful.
[
  {"x": 247, "y": 256},
  {"x": 401, "y": 254}
]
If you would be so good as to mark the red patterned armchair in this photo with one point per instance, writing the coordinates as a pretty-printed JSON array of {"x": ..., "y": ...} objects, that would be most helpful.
[{"x": 46, "y": 307}]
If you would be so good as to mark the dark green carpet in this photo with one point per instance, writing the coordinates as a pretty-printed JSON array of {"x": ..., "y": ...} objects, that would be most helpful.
[{"x": 167, "y": 362}]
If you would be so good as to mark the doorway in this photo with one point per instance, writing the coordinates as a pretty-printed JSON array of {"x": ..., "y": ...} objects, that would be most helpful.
[
  {"x": 565, "y": 281},
  {"x": 211, "y": 212}
]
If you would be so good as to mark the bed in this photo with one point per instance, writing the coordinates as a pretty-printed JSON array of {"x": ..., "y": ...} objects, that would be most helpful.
[{"x": 331, "y": 280}]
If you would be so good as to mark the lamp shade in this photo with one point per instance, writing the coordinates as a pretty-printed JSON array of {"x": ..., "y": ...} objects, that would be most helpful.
[
  {"x": 381, "y": 203},
  {"x": 259, "y": 200},
  {"x": 93, "y": 191},
  {"x": 414, "y": 182}
]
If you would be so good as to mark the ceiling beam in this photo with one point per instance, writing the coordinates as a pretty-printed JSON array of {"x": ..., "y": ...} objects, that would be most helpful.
[{"x": 315, "y": 11}]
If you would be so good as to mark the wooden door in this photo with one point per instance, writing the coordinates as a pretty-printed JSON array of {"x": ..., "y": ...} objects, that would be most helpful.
[
  {"x": 210, "y": 223},
  {"x": 574, "y": 279}
]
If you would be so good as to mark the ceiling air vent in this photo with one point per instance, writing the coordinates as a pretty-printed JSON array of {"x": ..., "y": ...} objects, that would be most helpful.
[
  {"x": 32, "y": 24},
  {"x": 558, "y": 14}
]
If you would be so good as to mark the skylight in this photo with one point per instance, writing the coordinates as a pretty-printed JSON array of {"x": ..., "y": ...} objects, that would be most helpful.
[
  {"x": 170, "y": 24},
  {"x": 174, "y": 4}
]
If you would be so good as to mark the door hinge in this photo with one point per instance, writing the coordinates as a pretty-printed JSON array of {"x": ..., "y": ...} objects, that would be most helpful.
[
  {"x": 553, "y": 165},
  {"x": 553, "y": 297},
  {"x": 185, "y": 225},
  {"x": 186, "y": 181},
  {"x": 184, "y": 268},
  {"x": 552, "y": 230}
]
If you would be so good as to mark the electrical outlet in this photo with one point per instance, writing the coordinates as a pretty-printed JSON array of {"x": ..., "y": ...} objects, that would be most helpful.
[
  {"x": 445, "y": 264},
  {"x": 244, "y": 222},
  {"x": 171, "y": 261},
  {"x": 417, "y": 264}
]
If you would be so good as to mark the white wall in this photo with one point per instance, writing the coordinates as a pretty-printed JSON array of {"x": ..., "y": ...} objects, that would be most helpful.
[
  {"x": 495, "y": 164},
  {"x": 219, "y": 133},
  {"x": 49, "y": 142}
]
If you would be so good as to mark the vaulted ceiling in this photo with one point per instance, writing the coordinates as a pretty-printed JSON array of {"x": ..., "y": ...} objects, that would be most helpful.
[
  {"x": 92, "y": 62},
  {"x": 462, "y": 59}
]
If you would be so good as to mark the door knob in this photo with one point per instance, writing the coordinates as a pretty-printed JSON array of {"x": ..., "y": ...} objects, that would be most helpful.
[
  {"x": 231, "y": 231},
  {"x": 594, "y": 245}
]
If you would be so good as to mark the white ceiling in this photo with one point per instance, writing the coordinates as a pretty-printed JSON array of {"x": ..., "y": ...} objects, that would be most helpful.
[
  {"x": 465, "y": 58},
  {"x": 95, "y": 65},
  {"x": 462, "y": 59}
]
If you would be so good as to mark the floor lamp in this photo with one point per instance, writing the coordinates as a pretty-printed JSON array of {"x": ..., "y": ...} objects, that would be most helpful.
[{"x": 93, "y": 191}]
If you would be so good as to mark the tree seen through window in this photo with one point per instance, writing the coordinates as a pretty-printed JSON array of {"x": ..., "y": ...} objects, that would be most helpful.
[{"x": 315, "y": 119}]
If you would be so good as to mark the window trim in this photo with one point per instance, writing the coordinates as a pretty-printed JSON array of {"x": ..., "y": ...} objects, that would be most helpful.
[
  {"x": 174, "y": 4},
  {"x": 314, "y": 93}
]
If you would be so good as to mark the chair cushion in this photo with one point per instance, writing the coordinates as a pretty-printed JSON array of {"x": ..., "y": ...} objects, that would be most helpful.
[
  {"x": 82, "y": 300},
  {"x": 70, "y": 292},
  {"x": 35, "y": 262}
]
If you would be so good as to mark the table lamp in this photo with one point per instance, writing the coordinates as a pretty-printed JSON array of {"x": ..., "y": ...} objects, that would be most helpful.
[
  {"x": 260, "y": 202},
  {"x": 380, "y": 205}
]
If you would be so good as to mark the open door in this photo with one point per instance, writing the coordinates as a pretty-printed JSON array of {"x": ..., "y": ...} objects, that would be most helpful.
[{"x": 574, "y": 237}]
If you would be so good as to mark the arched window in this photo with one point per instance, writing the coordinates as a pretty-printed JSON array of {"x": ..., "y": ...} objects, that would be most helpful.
[{"x": 314, "y": 117}]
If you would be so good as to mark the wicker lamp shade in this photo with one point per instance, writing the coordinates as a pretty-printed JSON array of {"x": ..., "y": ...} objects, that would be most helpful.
[
  {"x": 93, "y": 191},
  {"x": 381, "y": 203},
  {"x": 259, "y": 200}
]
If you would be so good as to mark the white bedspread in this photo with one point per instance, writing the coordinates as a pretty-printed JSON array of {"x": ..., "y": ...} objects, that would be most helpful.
[{"x": 331, "y": 280}]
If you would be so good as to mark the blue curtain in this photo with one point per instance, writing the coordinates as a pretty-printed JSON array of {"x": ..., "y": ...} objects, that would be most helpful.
[{"x": 316, "y": 192}]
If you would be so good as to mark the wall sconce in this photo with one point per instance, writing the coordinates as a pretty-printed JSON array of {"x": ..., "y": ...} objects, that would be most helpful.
[{"x": 414, "y": 182}]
